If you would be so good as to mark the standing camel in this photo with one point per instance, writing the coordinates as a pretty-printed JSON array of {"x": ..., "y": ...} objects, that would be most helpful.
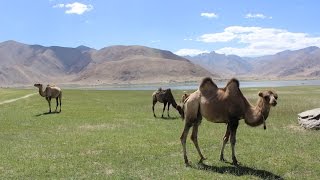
[
  {"x": 165, "y": 97},
  {"x": 50, "y": 92},
  {"x": 223, "y": 105}
]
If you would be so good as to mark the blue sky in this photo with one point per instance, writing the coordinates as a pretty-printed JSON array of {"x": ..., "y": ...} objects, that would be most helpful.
[{"x": 185, "y": 27}]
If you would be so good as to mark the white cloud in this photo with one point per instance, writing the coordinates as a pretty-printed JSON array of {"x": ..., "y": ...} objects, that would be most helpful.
[
  {"x": 75, "y": 8},
  {"x": 209, "y": 15},
  {"x": 155, "y": 41},
  {"x": 257, "y": 41},
  {"x": 217, "y": 37},
  {"x": 190, "y": 52},
  {"x": 258, "y": 15}
]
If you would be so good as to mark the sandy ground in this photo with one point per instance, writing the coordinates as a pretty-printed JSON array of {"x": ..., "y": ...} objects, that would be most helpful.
[{"x": 16, "y": 99}]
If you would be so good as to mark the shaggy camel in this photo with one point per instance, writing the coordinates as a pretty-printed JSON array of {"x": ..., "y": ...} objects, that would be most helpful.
[
  {"x": 164, "y": 96},
  {"x": 223, "y": 105},
  {"x": 51, "y": 91}
]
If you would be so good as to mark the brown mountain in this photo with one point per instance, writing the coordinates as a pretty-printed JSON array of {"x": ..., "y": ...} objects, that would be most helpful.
[
  {"x": 22, "y": 64},
  {"x": 303, "y": 63},
  {"x": 25, "y": 64},
  {"x": 225, "y": 65},
  {"x": 139, "y": 64}
]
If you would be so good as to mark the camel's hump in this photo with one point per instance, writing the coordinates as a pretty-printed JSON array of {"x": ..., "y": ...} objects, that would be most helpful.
[
  {"x": 207, "y": 84},
  {"x": 233, "y": 81}
]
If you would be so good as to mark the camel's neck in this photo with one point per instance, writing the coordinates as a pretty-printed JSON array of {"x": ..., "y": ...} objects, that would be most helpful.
[
  {"x": 256, "y": 115},
  {"x": 41, "y": 92},
  {"x": 174, "y": 104}
]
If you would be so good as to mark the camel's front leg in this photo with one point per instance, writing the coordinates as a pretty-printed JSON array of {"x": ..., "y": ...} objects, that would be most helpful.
[
  {"x": 164, "y": 108},
  {"x": 194, "y": 138},
  {"x": 233, "y": 133},
  {"x": 183, "y": 139},
  {"x": 49, "y": 102},
  {"x": 225, "y": 141}
]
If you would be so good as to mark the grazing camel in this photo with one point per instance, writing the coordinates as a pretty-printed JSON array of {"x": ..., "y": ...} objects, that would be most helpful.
[
  {"x": 51, "y": 91},
  {"x": 223, "y": 105},
  {"x": 164, "y": 96}
]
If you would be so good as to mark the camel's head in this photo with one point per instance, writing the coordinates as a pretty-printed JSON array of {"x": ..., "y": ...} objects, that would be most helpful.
[
  {"x": 37, "y": 85},
  {"x": 180, "y": 110},
  {"x": 269, "y": 97}
]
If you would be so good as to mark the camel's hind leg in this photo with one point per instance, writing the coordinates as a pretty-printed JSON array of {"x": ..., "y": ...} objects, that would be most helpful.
[
  {"x": 60, "y": 97},
  {"x": 183, "y": 139},
  {"x": 225, "y": 141},
  {"x": 57, "y": 104},
  {"x": 164, "y": 108},
  {"x": 194, "y": 138},
  {"x": 168, "y": 109}
]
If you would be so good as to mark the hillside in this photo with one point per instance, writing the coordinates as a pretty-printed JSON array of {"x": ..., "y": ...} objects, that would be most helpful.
[
  {"x": 303, "y": 63},
  {"x": 138, "y": 64},
  {"x": 226, "y": 66},
  {"x": 22, "y": 64}
]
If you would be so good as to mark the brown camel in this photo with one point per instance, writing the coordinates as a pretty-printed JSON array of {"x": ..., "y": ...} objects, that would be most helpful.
[
  {"x": 223, "y": 105},
  {"x": 164, "y": 96},
  {"x": 51, "y": 91}
]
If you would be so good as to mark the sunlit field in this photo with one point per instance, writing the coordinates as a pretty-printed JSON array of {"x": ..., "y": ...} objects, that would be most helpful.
[{"x": 113, "y": 135}]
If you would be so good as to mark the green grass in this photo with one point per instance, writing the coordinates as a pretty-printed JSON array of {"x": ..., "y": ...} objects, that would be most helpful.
[{"x": 113, "y": 135}]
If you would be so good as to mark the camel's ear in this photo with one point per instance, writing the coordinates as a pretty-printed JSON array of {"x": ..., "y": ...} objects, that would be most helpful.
[{"x": 260, "y": 94}]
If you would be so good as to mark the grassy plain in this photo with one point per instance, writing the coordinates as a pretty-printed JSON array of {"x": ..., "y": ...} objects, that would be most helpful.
[{"x": 113, "y": 135}]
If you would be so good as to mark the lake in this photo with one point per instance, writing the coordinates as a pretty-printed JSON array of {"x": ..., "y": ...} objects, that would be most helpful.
[{"x": 181, "y": 86}]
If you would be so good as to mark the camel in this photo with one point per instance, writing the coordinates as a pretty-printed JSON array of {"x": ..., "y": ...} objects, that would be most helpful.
[
  {"x": 164, "y": 96},
  {"x": 223, "y": 105},
  {"x": 51, "y": 91}
]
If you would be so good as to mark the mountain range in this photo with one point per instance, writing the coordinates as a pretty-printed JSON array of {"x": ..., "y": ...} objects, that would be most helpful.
[
  {"x": 23, "y": 64},
  {"x": 298, "y": 64}
]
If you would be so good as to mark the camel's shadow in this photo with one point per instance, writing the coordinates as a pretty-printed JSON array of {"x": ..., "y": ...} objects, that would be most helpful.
[
  {"x": 168, "y": 118},
  {"x": 47, "y": 113},
  {"x": 238, "y": 171}
]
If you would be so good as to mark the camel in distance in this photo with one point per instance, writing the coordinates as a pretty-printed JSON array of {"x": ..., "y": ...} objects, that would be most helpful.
[
  {"x": 223, "y": 105},
  {"x": 165, "y": 96},
  {"x": 51, "y": 91}
]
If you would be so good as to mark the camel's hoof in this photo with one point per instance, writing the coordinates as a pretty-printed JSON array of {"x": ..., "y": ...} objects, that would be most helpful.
[
  {"x": 222, "y": 159},
  {"x": 201, "y": 160},
  {"x": 188, "y": 164},
  {"x": 235, "y": 163}
]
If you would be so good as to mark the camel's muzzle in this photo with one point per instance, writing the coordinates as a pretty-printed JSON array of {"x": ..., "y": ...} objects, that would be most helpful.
[{"x": 274, "y": 103}]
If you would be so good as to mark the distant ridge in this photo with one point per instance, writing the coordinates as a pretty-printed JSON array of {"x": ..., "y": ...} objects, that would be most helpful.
[
  {"x": 22, "y": 64},
  {"x": 289, "y": 64}
]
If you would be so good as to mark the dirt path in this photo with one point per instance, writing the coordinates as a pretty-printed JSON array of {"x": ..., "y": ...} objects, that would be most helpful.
[{"x": 16, "y": 99}]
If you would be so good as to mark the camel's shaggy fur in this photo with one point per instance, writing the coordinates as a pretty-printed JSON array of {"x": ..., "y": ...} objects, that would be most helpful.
[
  {"x": 164, "y": 96},
  {"x": 51, "y": 91},
  {"x": 184, "y": 97},
  {"x": 223, "y": 105}
]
